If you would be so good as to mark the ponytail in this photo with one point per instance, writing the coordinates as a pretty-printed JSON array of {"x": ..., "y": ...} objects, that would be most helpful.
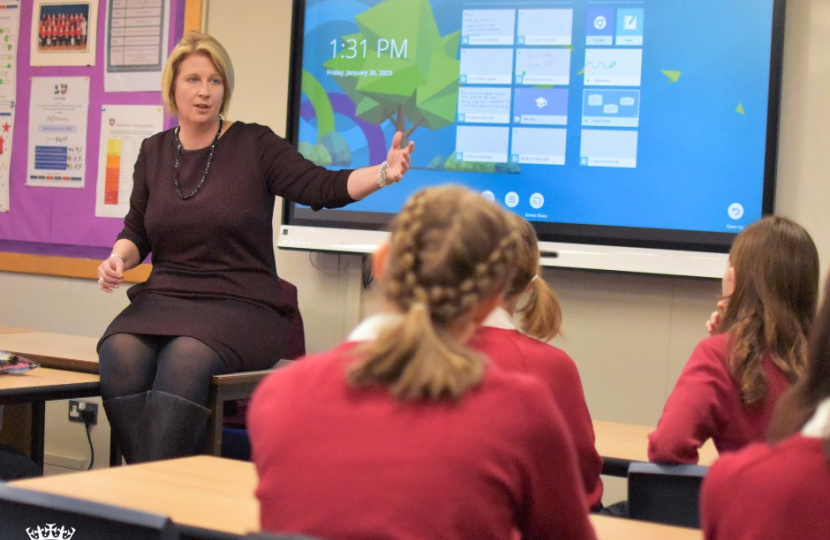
[
  {"x": 417, "y": 360},
  {"x": 541, "y": 316}
]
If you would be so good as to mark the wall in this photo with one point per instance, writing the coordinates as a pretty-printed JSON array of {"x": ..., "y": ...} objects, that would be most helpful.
[{"x": 629, "y": 334}]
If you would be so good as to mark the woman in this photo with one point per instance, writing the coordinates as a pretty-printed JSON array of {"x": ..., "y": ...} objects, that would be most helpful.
[
  {"x": 402, "y": 431},
  {"x": 202, "y": 203},
  {"x": 780, "y": 489},
  {"x": 540, "y": 319},
  {"x": 730, "y": 385}
]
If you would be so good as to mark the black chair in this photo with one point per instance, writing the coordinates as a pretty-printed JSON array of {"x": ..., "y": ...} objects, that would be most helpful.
[
  {"x": 44, "y": 516},
  {"x": 665, "y": 493}
]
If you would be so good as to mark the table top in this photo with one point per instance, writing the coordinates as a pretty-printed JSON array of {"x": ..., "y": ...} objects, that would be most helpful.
[
  {"x": 218, "y": 494},
  {"x": 612, "y": 528},
  {"x": 47, "y": 383},
  {"x": 202, "y": 491},
  {"x": 630, "y": 442},
  {"x": 14, "y": 330},
  {"x": 63, "y": 351}
]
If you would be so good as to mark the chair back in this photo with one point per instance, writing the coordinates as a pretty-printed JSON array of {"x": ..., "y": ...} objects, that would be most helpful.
[
  {"x": 44, "y": 516},
  {"x": 665, "y": 493}
]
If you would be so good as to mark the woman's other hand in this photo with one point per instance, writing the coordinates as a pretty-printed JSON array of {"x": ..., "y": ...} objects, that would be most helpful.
[{"x": 111, "y": 273}]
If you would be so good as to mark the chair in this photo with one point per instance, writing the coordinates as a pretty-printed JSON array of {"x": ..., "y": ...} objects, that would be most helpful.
[
  {"x": 43, "y": 516},
  {"x": 228, "y": 394},
  {"x": 665, "y": 493}
]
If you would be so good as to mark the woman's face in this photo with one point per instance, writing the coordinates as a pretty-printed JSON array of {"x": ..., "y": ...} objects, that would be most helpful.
[{"x": 199, "y": 91}]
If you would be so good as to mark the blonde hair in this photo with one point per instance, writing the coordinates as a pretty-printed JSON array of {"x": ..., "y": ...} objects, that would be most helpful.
[
  {"x": 773, "y": 305},
  {"x": 450, "y": 249},
  {"x": 541, "y": 315},
  {"x": 197, "y": 43}
]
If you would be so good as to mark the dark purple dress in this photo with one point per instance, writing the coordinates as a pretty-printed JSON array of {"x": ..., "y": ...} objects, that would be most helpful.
[{"x": 214, "y": 274}]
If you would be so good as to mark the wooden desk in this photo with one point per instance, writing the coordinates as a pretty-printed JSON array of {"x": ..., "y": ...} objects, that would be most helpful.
[
  {"x": 217, "y": 494},
  {"x": 40, "y": 385},
  {"x": 61, "y": 351},
  {"x": 611, "y": 528},
  {"x": 620, "y": 444},
  {"x": 205, "y": 492},
  {"x": 14, "y": 330}
]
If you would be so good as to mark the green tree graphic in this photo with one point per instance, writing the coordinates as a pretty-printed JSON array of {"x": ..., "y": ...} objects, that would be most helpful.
[{"x": 401, "y": 37}]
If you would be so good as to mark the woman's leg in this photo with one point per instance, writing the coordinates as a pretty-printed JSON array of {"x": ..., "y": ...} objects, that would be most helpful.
[
  {"x": 175, "y": 415},
  {"x": 127, "y": 365}
]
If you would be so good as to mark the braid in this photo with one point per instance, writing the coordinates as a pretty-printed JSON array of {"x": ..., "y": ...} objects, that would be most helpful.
[{"x": 450, "y": 249}]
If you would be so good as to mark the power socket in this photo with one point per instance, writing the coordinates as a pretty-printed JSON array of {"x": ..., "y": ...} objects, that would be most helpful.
[{"x": 83, "y": 411}]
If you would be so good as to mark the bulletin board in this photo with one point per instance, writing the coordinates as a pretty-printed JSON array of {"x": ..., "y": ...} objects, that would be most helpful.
[{"x": 50, "y": 230}]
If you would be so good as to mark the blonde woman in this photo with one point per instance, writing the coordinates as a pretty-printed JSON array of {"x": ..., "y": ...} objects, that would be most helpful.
[
  {"x": 403, "y": 431},
  {"x": 202, "y": 204}
]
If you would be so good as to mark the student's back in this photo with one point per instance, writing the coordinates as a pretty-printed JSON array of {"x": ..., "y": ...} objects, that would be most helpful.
[
  {"x": 404, "y": 432},
  {"x": 526, "y": 351},
  {"x": 358, "y": 465}
]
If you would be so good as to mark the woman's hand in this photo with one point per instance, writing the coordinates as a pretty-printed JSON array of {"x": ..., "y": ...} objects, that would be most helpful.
[
  {"x": 398, "y": 159},
  {"x": 715, "y": 318},
  {"x": 111, "y": 273}
]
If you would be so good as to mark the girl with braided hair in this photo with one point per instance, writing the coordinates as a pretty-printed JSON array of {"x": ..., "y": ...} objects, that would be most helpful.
[
  {"x": 524, "y": 349},
  {"x": 403, "y": 432},
  {"x": 731, "y": 383}
]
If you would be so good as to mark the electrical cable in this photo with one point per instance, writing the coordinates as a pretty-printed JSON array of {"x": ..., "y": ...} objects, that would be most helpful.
[{"x": 88, "y": 424}]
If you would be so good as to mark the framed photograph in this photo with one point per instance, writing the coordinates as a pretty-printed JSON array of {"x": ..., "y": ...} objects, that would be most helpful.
[{"x": 64, "y": 32}]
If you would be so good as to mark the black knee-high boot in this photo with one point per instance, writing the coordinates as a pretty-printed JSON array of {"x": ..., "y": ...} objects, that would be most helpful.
[
  {"x": 124, "y": 414},
  {"x": 170, "y": 427}
]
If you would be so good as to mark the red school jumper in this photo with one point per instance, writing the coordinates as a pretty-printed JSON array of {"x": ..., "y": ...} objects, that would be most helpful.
[
  {"x": 358, "y": 464},
  {"x": 706, "y": 403},
  {"x": 769, "y": 492},
  {"x": 511, "y": 350}
]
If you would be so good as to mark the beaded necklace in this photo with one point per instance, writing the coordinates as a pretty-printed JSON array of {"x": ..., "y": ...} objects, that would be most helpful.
[{"x": 178, "y": 161}]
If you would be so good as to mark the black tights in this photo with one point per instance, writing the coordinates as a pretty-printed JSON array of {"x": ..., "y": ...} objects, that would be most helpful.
[{"x": 182, "y": 366}]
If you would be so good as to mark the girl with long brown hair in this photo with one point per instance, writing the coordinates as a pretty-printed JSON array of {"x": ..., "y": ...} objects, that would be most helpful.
[
  {"x": 780, "y": 489},
  {"x": 730, "y": 385}
]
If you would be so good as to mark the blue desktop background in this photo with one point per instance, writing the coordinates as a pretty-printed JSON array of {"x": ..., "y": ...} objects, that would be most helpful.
[{"x": 701, "y": 140}]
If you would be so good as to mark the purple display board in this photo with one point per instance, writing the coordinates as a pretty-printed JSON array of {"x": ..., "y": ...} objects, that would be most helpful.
[{"x": 61, "y": 221}]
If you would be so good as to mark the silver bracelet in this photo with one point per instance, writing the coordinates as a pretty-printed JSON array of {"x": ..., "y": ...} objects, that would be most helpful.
[
  {"x": 119, "y": 256},
  {"x": 382, "y": 175}
]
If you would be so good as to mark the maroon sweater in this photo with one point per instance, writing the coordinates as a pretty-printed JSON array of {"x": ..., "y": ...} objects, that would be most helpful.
[
  {"x": 514, "y": 351},
  {"x": 768, "y": 493},
  {"x": 348, "y": 464},
  {"x": 706, "y": 403}
]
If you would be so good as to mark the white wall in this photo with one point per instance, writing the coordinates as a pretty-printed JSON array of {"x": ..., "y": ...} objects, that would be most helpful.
[{"x": 629, "y": 334}]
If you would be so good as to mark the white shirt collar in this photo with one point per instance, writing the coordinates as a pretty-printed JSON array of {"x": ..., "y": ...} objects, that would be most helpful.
[
  {"x": 818, "y": 425},
  {"x": 499, "y": 318},
  {"x": 371, "y": 327}
]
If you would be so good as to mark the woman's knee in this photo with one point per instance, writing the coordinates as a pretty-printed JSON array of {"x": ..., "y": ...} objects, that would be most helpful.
[{"x": 127, "y": 365}]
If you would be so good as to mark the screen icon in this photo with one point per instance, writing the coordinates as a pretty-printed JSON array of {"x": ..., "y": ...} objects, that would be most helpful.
[
  {"x": 736, "y": 211},
  {"x": 537, "y": 200}
]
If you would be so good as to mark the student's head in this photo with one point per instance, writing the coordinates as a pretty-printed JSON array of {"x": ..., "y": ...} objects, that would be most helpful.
[
  {"x": 446, "y": 266},
  {"x": 799, "y": 404},
  {"x": 771, "y": 287},
  {"x": 202, "y": 44},
  {"x": 541, "y": 314}
]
